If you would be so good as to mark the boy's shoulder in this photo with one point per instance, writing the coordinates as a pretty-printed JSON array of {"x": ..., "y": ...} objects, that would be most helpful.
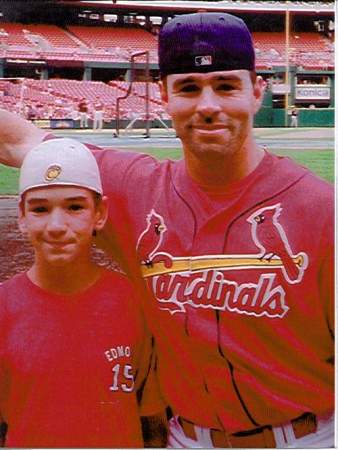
[{"x": 15, "y": 283}]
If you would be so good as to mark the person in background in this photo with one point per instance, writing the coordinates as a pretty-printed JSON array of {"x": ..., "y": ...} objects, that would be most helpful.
[
  {"x": 98, "y": 114},
  {"x": 83, "y": 112},
  {"x": 294, "y": 118}
]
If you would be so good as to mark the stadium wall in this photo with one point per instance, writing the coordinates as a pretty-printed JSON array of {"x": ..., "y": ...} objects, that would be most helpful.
[{"x": 268, "y": 117}]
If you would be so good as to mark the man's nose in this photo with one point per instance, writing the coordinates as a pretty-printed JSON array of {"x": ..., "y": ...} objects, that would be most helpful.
[{"x": 208, "y": 103}]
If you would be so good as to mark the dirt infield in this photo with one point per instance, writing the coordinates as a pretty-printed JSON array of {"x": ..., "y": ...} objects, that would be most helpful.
[{"x": 15, "y": 254}]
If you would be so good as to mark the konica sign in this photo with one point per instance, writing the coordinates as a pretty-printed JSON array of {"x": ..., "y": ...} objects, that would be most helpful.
[{"x": 312, "y": 93}]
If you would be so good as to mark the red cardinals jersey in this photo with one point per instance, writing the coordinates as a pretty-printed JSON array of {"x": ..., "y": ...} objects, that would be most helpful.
[
  {"x": 242, "y": 283},
  {"x": 70, "y": 366}
]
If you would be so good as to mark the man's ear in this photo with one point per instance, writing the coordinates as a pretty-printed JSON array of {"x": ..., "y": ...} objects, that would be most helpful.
[
  {"x": 259, "y": 91},
  {"x": 101, "y": 213}
]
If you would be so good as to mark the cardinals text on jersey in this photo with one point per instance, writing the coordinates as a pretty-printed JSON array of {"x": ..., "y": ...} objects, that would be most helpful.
[{"x": 202, "y": 281}]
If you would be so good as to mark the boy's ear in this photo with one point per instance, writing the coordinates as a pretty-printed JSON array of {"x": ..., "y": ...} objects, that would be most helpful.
[
  {"x": 101, "y": 213},
  {"x": 22, "y": 218}
]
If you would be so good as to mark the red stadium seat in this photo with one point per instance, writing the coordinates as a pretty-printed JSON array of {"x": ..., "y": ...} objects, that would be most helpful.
[{"x": 58, "y": 97}]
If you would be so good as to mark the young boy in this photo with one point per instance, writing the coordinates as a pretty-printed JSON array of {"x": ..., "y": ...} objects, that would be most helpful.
[{"x": 74, "y": 350}]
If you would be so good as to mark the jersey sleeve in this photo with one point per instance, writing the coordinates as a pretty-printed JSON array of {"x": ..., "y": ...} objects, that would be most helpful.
[
  {"x": 121, "y": 173},
  {"x": 326, "y": 273},
  {"x": 151, "y": 401},
  {"x": 120, "y": 169},
  {"x": 147, "y": 384}
]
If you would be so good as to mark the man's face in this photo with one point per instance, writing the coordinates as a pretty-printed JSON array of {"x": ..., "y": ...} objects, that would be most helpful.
[
  {"x": 212, "y": 112},
  {"x": 59, "y": 221}
]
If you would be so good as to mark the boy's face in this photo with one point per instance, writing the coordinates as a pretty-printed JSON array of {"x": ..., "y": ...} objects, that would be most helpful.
[{"x": 59, "y": 222}]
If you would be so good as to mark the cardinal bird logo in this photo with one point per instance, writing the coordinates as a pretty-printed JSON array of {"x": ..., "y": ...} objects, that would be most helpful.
[
  {"x": 269, "y": 236},
  {"x": 151, "y": 238}
]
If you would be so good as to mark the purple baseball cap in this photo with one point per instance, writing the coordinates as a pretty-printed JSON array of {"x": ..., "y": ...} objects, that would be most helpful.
[{"x": 205, "y": 42}]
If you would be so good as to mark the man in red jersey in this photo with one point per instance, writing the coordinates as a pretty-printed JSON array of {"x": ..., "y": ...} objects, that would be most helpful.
[
  {"x": 75, "y": 354},
  {"x": 237, "y": 246},
  {"x": 83, "y": 108}
]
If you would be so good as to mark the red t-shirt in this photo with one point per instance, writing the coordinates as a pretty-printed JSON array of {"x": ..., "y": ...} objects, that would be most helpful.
[
  {"x": 83, "y": 106},
  {"x": 72, "y": 367}
]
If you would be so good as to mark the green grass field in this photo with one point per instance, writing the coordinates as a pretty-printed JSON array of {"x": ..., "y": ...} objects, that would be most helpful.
[
  {"x": 319, "y": 161},
  {"x": 8, "y": 180}
]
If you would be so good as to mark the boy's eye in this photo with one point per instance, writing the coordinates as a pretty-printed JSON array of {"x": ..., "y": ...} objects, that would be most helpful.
[
  {"x": 75, "y": 207},
  {"x": 39, "y": 209}
]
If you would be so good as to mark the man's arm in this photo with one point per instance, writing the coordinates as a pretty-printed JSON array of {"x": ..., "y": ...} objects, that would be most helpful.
[
  {"x": 152, "y": 406},
  {"x": 17, "y": 137},
  {"x": 155, "y": 430},
  {"x": 3, "y": 431}
]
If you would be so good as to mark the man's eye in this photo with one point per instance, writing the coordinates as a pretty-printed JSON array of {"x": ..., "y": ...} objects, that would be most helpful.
[
  {"x": 189, "y": 88},
  {"x": 225, "y": 87}
]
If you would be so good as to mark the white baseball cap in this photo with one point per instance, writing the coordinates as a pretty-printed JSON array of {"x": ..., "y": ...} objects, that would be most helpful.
[{"x": 56, "y": 162}]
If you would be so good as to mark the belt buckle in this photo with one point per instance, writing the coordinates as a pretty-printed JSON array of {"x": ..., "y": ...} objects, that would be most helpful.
[
  {"x": 304, "y": 425},
  {"x": 219, "y": 438}
]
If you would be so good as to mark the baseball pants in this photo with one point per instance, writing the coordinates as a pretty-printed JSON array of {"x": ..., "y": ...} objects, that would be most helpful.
[
  {"x": 284, "y": 436},
  {"x": 83, "y": 120},
  {"x": 98, "y": 120}
]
